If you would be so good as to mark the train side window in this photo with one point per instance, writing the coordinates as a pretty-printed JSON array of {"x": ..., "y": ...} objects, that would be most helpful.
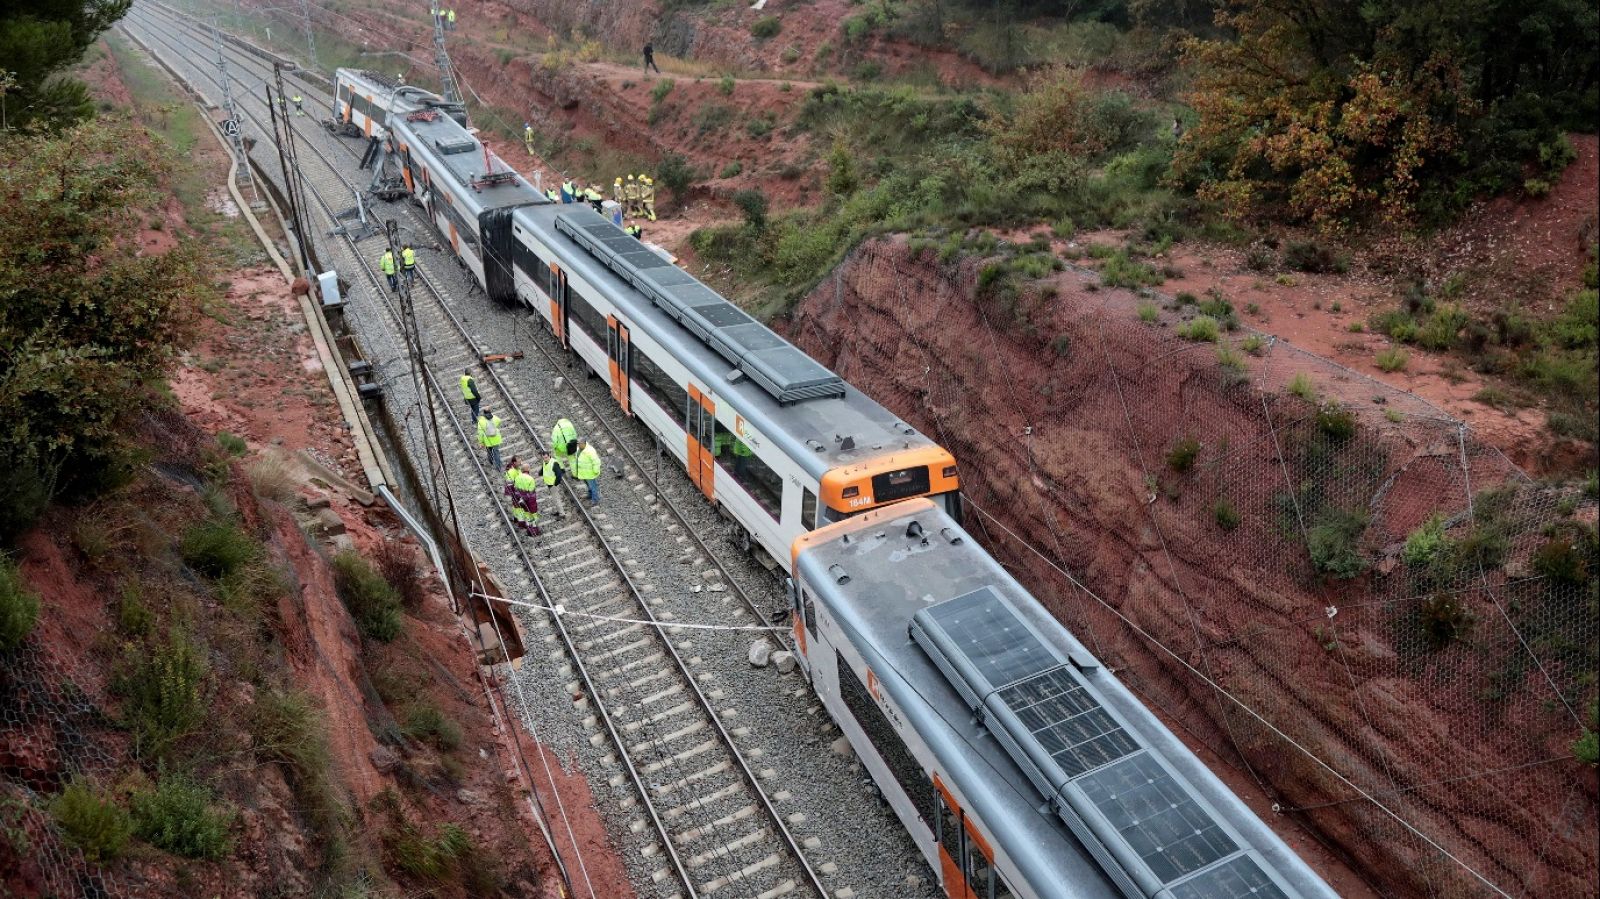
[
  {"x": 665, "y": 391},
  {"x": 808, "y": 610},
  {"x": 1002, "y": 890},
  {"x": 589, "y": 320},
  {"x": 978, "y": 869},
  {"x": 755, "y": 476},
  {"x": 808, "y": 510}
]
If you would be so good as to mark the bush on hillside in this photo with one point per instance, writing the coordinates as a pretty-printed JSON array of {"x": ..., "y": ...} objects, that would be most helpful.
[
  {"x": 373, "y": 604},
  {"x": 19, "y": 607},
  {"x": 91, "y": 821},
  {"x": 178, "y": 816}
]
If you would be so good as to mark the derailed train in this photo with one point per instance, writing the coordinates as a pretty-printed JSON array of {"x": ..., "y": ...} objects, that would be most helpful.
[{"x": 1019, "y": 765}]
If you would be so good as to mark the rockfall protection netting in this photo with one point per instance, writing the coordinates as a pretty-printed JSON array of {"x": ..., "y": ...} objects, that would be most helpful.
[
  {"x": 1330, "y": 583},
  {"x": 50, "y": 733}
]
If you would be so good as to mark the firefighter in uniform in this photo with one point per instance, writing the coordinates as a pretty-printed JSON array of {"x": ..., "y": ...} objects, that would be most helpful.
[{"x": 647, "y": 197}]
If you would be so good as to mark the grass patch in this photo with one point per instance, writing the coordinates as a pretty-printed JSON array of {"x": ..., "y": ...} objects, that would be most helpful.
[
  {"x": 161, "y": 684},
  {"x": 434, "y": 858},
  {"x": 19, "y": 607},
  {"x": 371, "y": 600},
  {"x": 1182, "y": 456},
  {"x": 1226, "y": 515},
  {"x": 91, "y": 821},
  {"x": 766, "y": 28},
  {"x": 1201, "y": 329},
  {"x": 1392, "y": 359},
  {"x": 426, "y": 723},
  {"x": 217, "y": 549},
  {"x": 179, "y": 817},
  {"x": 1148, "y": 313},
  {"x": 1122, "y": 271},
  {"x": 1303, "y": 387},
  {"x": 1254, "y": 344},
  {"x": 1333, "y": 542}
]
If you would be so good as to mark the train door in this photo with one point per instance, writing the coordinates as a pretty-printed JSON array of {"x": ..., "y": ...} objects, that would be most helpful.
[
  {"x": 619, "y": 352},
  {"x": 559, "y": 304},
  {"x": 701, "y": 429},
  {"x": 966, "y": 860},
  {"x": 802, "y": 612}
]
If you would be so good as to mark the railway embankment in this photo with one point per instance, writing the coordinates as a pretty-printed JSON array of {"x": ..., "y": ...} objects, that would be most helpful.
[{"x": 1329, "y": 584}]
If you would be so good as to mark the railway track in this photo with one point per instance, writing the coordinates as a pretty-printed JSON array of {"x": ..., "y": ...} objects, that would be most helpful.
[{"x": 716, "y": 829}]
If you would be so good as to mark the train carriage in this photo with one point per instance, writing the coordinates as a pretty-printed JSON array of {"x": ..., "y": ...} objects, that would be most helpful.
[
  {"x": 1019, "y": 765},
  {"x": 364, "y": 100},
  {"x": 780, "y": 442}
]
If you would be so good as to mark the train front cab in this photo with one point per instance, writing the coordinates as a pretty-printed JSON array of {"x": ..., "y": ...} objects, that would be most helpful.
[{"x": 955, "y": 844}]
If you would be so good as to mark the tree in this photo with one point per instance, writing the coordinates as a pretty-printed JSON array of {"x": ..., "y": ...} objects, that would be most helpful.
[
  {"x": 87, "y": 320},
  {"x": 38, "y": 40},
  {"x": 1326, "y": 111}
]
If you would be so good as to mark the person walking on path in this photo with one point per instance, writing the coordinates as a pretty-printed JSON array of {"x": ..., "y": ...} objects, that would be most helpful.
[
  {"x": 490, "y": 438},
  {"x": 563, "y": 440},
  {"x": 586, "y": 468},
  {"x": 550, "y": 473},
  {"x": 299, "y": 105},
  {"x": 650, "y": 59},
  {"x": 386, "y": 263},
  {"x": 408, "y": 264},
  {"x": 469, "y": 391}
]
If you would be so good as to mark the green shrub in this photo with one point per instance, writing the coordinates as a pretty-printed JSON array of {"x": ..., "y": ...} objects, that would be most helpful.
[
  {"x": 1253, "y": 344},
  {"x": 1062, "y": 345},
  {"x": 1227, "y": 516},
  {"x": 161, "y": 686},
  {"x": 1121, "y": 271},
  {"x": 867, "y": 70},
  {"x": 231, "y": 444},
  {"x": 93, "y": 823},
  {"x": 1336, "y": 421},
  {"x": 134, "y": 618},
  {"x": 731, "y": 170},
  {"x": 1302, "y": 386},
  {"x": 675, "y": 174},
  {"x": 427, "y": 723},
  {"x": 428, "y": 858},
  {"x": 1202, "y": 329},
  {"x": 753, "y": 203},
  {"x": 1392, "y": 359},
  {"x": 372, "y": 602},
  {"x": 1424, "y": 543},
  {"x": 1148, "y": 313},
  {"x": 660, "y": 91},
  {"x": 1182, "y": 456},
  {"x": 766, "y": 28},
  {"x": 758, "y": 127},
  {"x": 217, "y": 549},
  {"x": 1444, "y": 619},
  {"x": 19, "y": 607},
  {"x": 1220, "y": 309},
  {"x": 1442, "y": 330},
  {"x": 1562, "y": 562},
  {"x": 178, "y": 817},
  {"x": 726, "y": 85},
  {"x": 1229, "y": 359},
  {"x": 1333, "y": 541},
  {"x": 1310, "y": 256},
  {"x": 1586, "y": 748}
]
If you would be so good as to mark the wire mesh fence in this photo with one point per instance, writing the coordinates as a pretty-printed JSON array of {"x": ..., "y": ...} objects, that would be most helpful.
[
  {"x": 51, "y": 733},
  {"x": 1328, "y": 582}
]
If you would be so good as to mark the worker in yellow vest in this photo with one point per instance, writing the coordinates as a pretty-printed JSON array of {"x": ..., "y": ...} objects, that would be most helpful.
[
  {"x": 408, "y": 264},
  {"x": 386, "y": 263},
  {"x": 469, "y": 391},
  {"x": 563, "y": 443},
  {"x": 550, "y": 473},
  {"x": 490, "y": 438},
  {"x": 586, "y": 468}
]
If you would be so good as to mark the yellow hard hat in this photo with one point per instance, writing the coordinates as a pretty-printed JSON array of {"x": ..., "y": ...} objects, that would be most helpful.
[
  {"x": 630, "y": 177},
  {"x": 647, "y": 179},
  {"x": 618, "y": 181}
]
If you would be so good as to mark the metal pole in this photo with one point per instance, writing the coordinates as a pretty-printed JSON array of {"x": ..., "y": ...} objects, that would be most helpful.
[
  {"x": 288, "y": 188},
  {"x": 233, "y": 127},
  {"x": 441, "y": 59},
  {"x": 311, "y": 44}
]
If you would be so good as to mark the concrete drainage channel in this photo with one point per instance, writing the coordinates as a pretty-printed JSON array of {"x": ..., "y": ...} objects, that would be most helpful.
[{"x": 722, "y": 760}]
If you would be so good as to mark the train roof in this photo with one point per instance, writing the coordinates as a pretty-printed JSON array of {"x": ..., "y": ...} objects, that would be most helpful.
[
  {"x": 938, "y": 619},
  {"x": 811, "y": 430},
  {"x": 454, "y": 151}
]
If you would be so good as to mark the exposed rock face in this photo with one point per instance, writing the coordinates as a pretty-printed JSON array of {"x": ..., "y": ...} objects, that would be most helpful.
[{"x": 1066, "y": 412}]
